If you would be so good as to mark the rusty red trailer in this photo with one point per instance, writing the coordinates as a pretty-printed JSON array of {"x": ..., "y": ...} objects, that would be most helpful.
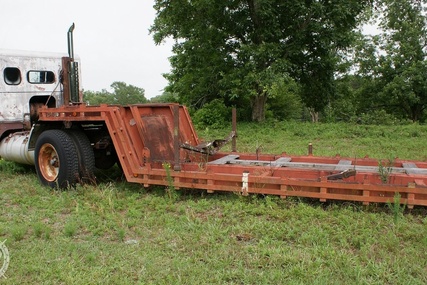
[{"x": 156, "y": 144}]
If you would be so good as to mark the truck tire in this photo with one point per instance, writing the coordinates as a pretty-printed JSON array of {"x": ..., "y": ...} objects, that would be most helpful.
[
  {"x": 56, "y": 159},
  {"x": 86, "y": 156}
]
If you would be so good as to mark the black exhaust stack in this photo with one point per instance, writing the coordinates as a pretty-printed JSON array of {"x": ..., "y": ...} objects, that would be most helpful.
[{"x": 73, "y": 70}]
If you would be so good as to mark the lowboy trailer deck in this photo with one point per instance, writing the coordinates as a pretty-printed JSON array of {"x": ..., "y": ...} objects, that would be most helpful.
[{"x": 157, "y": 144}]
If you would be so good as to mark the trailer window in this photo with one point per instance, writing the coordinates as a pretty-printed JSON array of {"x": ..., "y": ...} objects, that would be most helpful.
[
  {"x": 12, "y": 75},
  {"x": 41, "y": 77}
]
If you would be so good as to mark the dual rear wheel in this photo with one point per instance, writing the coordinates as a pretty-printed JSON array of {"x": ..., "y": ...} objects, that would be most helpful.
[{"x": 63, "y": 158}]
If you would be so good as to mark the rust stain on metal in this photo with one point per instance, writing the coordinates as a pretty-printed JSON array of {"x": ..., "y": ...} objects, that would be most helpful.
[
  {"x": 40, "y": 88},
  {"x": 158, "y": 138}
]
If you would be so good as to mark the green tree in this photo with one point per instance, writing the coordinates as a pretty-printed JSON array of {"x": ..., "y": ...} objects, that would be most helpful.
[
  {"x": 214, "y": 114},
  {"x": 404, "y": 67},
  {"x": 344, "y": 105},
  {"x": 394, "y": 62},
  {"x": 237, "y": 49},
  {"x": 122, "y": 94},
  {"x": 285, "y": 100},
  {"x": 127, "y": 94},
  {"x": 166, "y": 97},
  {"x": 97, "y": 97}
]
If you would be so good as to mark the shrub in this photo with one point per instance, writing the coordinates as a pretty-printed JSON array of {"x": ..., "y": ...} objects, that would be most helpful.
[
  {"x": 284, "y": 102},
  {"x": 213, "y": 114},
  {"x": 376, "y": 117}
]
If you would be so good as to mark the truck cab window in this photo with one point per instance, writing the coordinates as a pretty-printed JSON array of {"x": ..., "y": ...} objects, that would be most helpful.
[
  {"x": 40, "y": 77},
  {"x": 12, "y": 75}
]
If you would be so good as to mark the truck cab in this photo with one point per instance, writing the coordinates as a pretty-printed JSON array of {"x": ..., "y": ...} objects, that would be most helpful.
[{"x": 28, "y": 81}]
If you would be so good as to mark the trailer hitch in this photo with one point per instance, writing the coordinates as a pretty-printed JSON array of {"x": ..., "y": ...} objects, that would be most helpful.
[{"x": 210, "y": 147}]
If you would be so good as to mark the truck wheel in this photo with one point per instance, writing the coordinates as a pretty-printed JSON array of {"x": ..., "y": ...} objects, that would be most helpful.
[
  {"x": 56, "y": 159},
  {"x": 86, "y": 156}
]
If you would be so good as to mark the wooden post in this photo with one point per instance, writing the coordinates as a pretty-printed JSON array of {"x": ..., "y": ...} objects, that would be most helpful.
[
  {"x": 310, "y": 149},
  {"x": 234, "y": 127}
]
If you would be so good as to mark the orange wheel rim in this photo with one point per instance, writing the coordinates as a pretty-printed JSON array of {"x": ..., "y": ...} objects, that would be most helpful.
[{"x": 48, "y": 162}]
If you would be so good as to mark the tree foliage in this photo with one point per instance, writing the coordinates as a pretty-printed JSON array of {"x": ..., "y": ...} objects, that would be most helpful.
[
  {"x": 239, "y": 49},
  {"x": 289, "y": 59},
  {"x": 214, "y": 114},
  {"x": 97, "y": 97},
  {"x": 394, "y": 62},
  {"x": 122, "y": 94},
  {"x": 166, "y": 97},
  {"x": 285, "y": 101}
]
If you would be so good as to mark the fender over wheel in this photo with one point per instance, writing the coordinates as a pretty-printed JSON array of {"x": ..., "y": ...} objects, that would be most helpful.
[{"x": 56, "y": 159}]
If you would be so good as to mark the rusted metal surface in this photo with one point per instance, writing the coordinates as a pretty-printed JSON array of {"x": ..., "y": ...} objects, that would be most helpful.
[
  {"x": 65, "y": 83},
  {"x": 21, "y": 98},
  {"x": 176, "y": 143},
  {"x": 145, "y": 139},
  {"x": 210, "y": 147},
  {"x": 9, "y": 126}
]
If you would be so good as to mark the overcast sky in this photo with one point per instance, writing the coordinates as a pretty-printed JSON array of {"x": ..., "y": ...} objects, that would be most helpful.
[{"x": 111, "y": 38}]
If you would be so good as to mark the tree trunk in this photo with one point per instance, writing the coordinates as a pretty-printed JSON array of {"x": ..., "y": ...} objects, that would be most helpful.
[
  {"x": 314, "y": 116},
  {"x": 416, "y": 112},
  {"x": 258, "y": 107}
]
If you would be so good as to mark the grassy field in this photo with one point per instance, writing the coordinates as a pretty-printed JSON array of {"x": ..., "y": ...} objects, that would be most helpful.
[
  {"x": 349, "y": 140},
  {"x": 120, "y": 233}
]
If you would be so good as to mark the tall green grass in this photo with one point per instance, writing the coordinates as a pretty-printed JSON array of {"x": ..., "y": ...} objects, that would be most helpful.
[
  {"x": 347, "y": 140},
  {"x": 121, "y": 233}
]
